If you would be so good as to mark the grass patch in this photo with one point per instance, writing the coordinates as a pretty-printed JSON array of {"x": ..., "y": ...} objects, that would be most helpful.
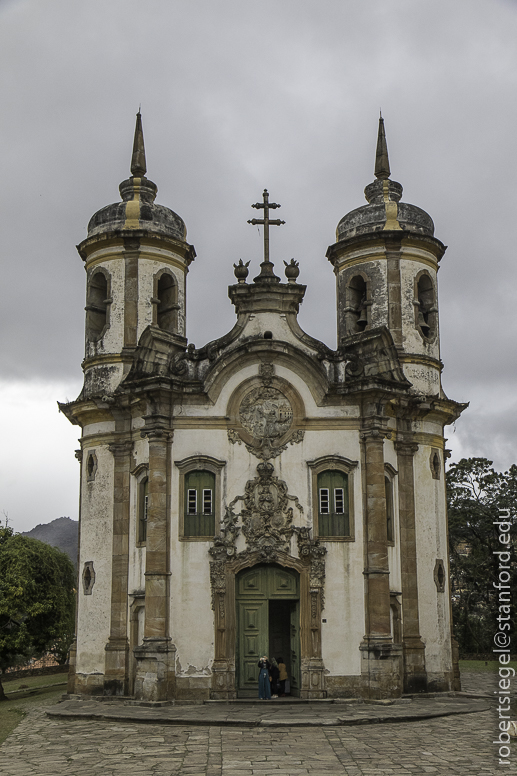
[
  {"x": 482, "y": 666},
  {"x": 34, "y": 681},
  {"x": 13, "y": 711}
]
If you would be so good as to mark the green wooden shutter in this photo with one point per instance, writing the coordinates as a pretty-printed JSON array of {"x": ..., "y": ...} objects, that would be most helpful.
[
  {"x": 337, "y": 521},
  {"x": 202, "y": 521}
]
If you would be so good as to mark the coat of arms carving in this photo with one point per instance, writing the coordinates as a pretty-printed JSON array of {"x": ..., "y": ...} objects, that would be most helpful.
[
  {"x": 266, "y": 413},
  {"x": 265, "y": 419}
]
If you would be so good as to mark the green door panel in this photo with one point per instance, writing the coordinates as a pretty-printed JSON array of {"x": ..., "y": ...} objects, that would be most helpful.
[
  {"x": 282, "y": 584},
  {"x": 251, "y": 584},
  {"x": 267, "y": 582},
  {"x": 252, "y": 624}
]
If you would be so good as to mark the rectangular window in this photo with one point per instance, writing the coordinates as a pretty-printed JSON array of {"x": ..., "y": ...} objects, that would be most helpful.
[
  {"x": 207, "y": 502},
  {"x": 199, "y": 515},
  {"x": 333, "y": 504},
  {"x": 324, "y": 501},
  {"x": 191, "y": 501}
]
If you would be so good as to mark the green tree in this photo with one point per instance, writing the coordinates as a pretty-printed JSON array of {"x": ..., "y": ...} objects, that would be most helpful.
[
  {"x": 476, "y": 494},
  {"x": 37, "y": 600}
]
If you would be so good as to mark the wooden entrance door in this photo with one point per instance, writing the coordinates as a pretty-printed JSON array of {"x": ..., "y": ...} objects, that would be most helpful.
[{"x": 256, "y": 588}]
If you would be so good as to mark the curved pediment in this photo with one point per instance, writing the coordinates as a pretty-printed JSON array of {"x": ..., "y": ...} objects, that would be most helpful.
[{"x": 309, "y": 368}]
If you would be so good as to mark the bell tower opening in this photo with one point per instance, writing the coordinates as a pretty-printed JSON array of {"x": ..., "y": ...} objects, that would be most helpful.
[{"x": 356, "y": 311}]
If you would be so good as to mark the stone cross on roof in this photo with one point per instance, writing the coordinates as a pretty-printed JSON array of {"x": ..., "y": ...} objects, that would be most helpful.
[{"x": 266, "y": 205}]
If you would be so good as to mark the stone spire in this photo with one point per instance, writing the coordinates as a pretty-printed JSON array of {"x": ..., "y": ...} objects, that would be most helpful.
[
  {"x": 138, "y": 165},
  {"x": 382, "y": 165}
]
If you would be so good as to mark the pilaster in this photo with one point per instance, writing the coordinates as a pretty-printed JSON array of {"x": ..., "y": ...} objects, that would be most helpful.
[
  {"x": 131, "y": 254},
  {"x": 155, "y": 670},
  {"x": 380, "y": 659},
  {"x": 415, "y": 676},
  {"x": 393, "y": 246},
  {"x": 117, "y": 649}
]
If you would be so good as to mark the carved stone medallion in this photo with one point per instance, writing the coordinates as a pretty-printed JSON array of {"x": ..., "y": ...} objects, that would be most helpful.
[{"x": 266, "y": 413}]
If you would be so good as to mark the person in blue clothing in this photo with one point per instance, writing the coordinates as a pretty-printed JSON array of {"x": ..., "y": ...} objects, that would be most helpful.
[{"x": 264, "y": 683}]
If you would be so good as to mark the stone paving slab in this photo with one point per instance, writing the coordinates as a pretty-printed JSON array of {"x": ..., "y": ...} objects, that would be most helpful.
[{"x": 270, "y": 713}]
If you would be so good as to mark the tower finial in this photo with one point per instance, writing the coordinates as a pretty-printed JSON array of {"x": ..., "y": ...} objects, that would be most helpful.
[
  {"x": 382, "y": 165},
  {"x": 138, "y": 166}
]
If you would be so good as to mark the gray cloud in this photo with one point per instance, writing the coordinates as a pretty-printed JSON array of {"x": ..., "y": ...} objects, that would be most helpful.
[{"x": 236, "y": 98}]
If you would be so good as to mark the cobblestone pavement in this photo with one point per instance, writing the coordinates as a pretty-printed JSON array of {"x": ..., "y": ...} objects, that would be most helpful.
[{"x": 43, "y": 746}]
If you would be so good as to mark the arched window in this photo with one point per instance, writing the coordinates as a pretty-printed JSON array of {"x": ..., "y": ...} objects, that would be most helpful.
[
  {"x": 388, "y": 485},
  {"x": 357, "y": 304},
  {"x": 199, "y": 516},
  {"x": 333, "y": 504},
  {"x": 425, "y": 306},
  {"x": 167, "y": 303},
  {"x": 97, "y": 303},
  {"x": 143, "y": 507}
]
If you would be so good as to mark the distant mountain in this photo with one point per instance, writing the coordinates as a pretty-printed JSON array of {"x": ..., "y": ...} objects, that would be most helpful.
[{"x": 61, "y": 533}]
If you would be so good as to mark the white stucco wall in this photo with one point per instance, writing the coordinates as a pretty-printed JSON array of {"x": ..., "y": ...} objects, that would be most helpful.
[
  {"x": 431, "y": 545},
  {"x": 96, "y": 546}
]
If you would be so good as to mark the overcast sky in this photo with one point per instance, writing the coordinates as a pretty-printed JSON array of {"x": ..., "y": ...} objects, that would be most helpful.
[{"x": 238, "y": 96}]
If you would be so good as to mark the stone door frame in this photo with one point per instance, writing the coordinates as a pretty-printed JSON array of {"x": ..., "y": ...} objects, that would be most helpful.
[{"x": 225, "y": 624}]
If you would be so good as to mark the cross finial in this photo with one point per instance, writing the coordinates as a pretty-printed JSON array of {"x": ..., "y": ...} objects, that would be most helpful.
[{"x": 266, "y": 205}]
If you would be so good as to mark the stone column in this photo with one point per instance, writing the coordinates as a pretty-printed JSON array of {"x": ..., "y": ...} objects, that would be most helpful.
[
  {"x": 117, "y": 649},
  {"x": 155, "y": 673},
  {"x": 380, "y": 659},
  {"x": 415, "y": 676}
]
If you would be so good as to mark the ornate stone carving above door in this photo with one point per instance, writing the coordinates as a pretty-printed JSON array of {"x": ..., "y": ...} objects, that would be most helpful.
[{"x": 267, "y": 522}]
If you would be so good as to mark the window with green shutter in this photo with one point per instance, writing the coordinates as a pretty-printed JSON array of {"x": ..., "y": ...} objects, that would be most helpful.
[
  {"x": 199, "y": 519},
  {"x": 333, "y": 509}
]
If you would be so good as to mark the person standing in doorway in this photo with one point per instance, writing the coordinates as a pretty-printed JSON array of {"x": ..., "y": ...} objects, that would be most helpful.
[
  {"x": 274, "y": 674},
  {"x": 282, "y": 675},
  {"x": 264, "y": 684}
]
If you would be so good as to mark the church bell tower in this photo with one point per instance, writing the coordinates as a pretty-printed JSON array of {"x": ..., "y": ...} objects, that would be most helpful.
[
  {"x": 136, "y": 259},
  {"x": 386, "y": 262}
]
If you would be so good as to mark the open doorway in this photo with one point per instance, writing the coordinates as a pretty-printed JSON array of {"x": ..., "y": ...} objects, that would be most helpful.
[{"x": 283, "y": 639}]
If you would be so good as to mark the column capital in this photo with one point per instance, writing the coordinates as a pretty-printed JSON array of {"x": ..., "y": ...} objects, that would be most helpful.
[
  {"x": 120, "y": 449},
  {"x": 157, "y": 434},
  {"x": 406, "y": 448},
  {"x": 375, "y": 434}
]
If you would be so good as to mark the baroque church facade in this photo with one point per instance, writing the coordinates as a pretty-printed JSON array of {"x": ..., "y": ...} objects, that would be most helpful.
[{"x": 263, "y": 494}]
